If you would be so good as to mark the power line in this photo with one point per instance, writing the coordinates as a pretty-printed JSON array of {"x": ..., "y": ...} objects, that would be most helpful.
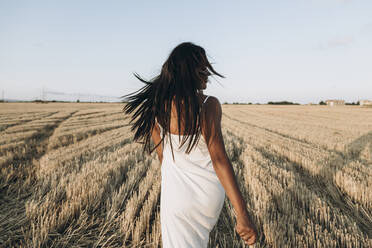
[{"x": 78, "y": 95}]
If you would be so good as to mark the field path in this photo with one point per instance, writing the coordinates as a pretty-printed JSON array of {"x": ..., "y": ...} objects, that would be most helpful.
[{"x": 15, "y": 191}]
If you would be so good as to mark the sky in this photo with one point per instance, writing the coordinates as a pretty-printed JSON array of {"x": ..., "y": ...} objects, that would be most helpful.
[{"x": 302, "y": 51}]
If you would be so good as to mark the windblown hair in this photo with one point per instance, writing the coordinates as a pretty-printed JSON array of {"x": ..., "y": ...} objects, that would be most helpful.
[{"x": 179, "y": 81}]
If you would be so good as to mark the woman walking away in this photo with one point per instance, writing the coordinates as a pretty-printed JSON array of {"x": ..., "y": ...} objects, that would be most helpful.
[{"x": 171, "y": 110}]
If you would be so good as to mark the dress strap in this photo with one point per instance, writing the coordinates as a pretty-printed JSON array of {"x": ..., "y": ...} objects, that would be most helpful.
[
  {"x": 202, "y": 106},
  {"x": 205, "y": 99}
]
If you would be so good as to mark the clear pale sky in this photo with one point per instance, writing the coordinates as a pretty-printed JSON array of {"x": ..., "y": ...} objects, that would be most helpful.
[{"x": 301, "y": 50}]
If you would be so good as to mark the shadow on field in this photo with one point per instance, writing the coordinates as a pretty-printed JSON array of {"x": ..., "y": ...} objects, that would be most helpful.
[{"x": 322, "y": 184}]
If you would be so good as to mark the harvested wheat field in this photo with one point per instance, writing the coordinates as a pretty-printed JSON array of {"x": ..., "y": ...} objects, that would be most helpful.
[{"x": 72, "y": 177}]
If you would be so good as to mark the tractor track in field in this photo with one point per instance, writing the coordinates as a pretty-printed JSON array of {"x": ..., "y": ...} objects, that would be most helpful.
[
  {"x": 5, "y": 127},
  {"x": 303, "y": 141},
  {"x": 322, "y": 185},
  {"x": 13, "y": 192}
]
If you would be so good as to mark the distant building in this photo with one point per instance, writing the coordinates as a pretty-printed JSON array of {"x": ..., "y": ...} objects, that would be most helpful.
[
  {"x": 335, "y": 102},
  {"x": 365, "y": 102}
]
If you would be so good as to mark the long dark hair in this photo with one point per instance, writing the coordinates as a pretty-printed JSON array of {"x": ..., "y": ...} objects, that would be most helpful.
[{"x": 180, "y": 81}]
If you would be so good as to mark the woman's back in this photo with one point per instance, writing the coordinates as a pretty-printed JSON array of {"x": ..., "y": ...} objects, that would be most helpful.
[
  {"x": 174, "y": 116},
  {"x": 199, "y": 155}
]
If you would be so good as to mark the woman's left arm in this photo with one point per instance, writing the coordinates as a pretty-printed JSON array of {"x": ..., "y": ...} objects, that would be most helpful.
[{"x": 155, "y": 135}]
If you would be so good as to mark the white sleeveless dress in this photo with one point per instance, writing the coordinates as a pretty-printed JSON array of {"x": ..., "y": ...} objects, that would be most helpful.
[{"x": 191, "y": 196}]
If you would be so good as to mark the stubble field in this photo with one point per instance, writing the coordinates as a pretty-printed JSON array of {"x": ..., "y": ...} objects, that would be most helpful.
[{"x": 72, "y": 177}]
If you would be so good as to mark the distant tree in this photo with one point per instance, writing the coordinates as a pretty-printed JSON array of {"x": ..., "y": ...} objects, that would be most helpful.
[
  {"x": 283, "y": 103},
  {"x": 322, "y": 103},
  {"x": 77, "y": 100},
  {"x": 350, "y": 103}
]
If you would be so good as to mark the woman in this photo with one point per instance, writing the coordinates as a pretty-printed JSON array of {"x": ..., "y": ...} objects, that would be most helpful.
[{"x": 171, "y": 109}]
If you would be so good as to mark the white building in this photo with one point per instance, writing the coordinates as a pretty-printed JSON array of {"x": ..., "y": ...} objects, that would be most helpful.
[{"x": 335, "y": 102}]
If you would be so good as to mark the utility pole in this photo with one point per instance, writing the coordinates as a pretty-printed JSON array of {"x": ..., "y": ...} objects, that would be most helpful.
[{"x": 3, "y": 97}]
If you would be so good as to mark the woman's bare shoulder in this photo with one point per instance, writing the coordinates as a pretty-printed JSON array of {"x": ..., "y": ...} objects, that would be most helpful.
[
  {"x": 211, "y": 126},
  {"x": 212, "y": 106},
  {"x": 212, "y": 116}
]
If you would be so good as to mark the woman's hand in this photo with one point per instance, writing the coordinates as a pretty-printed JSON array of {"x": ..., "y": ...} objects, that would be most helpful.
[{"x": 246, "y": 229}]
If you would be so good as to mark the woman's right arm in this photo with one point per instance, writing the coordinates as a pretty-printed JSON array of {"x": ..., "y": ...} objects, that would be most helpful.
[{"x": 224, "y": 170}]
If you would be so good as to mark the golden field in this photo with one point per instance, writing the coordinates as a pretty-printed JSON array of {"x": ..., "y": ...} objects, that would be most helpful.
[{"x": 72, "y": 177}]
